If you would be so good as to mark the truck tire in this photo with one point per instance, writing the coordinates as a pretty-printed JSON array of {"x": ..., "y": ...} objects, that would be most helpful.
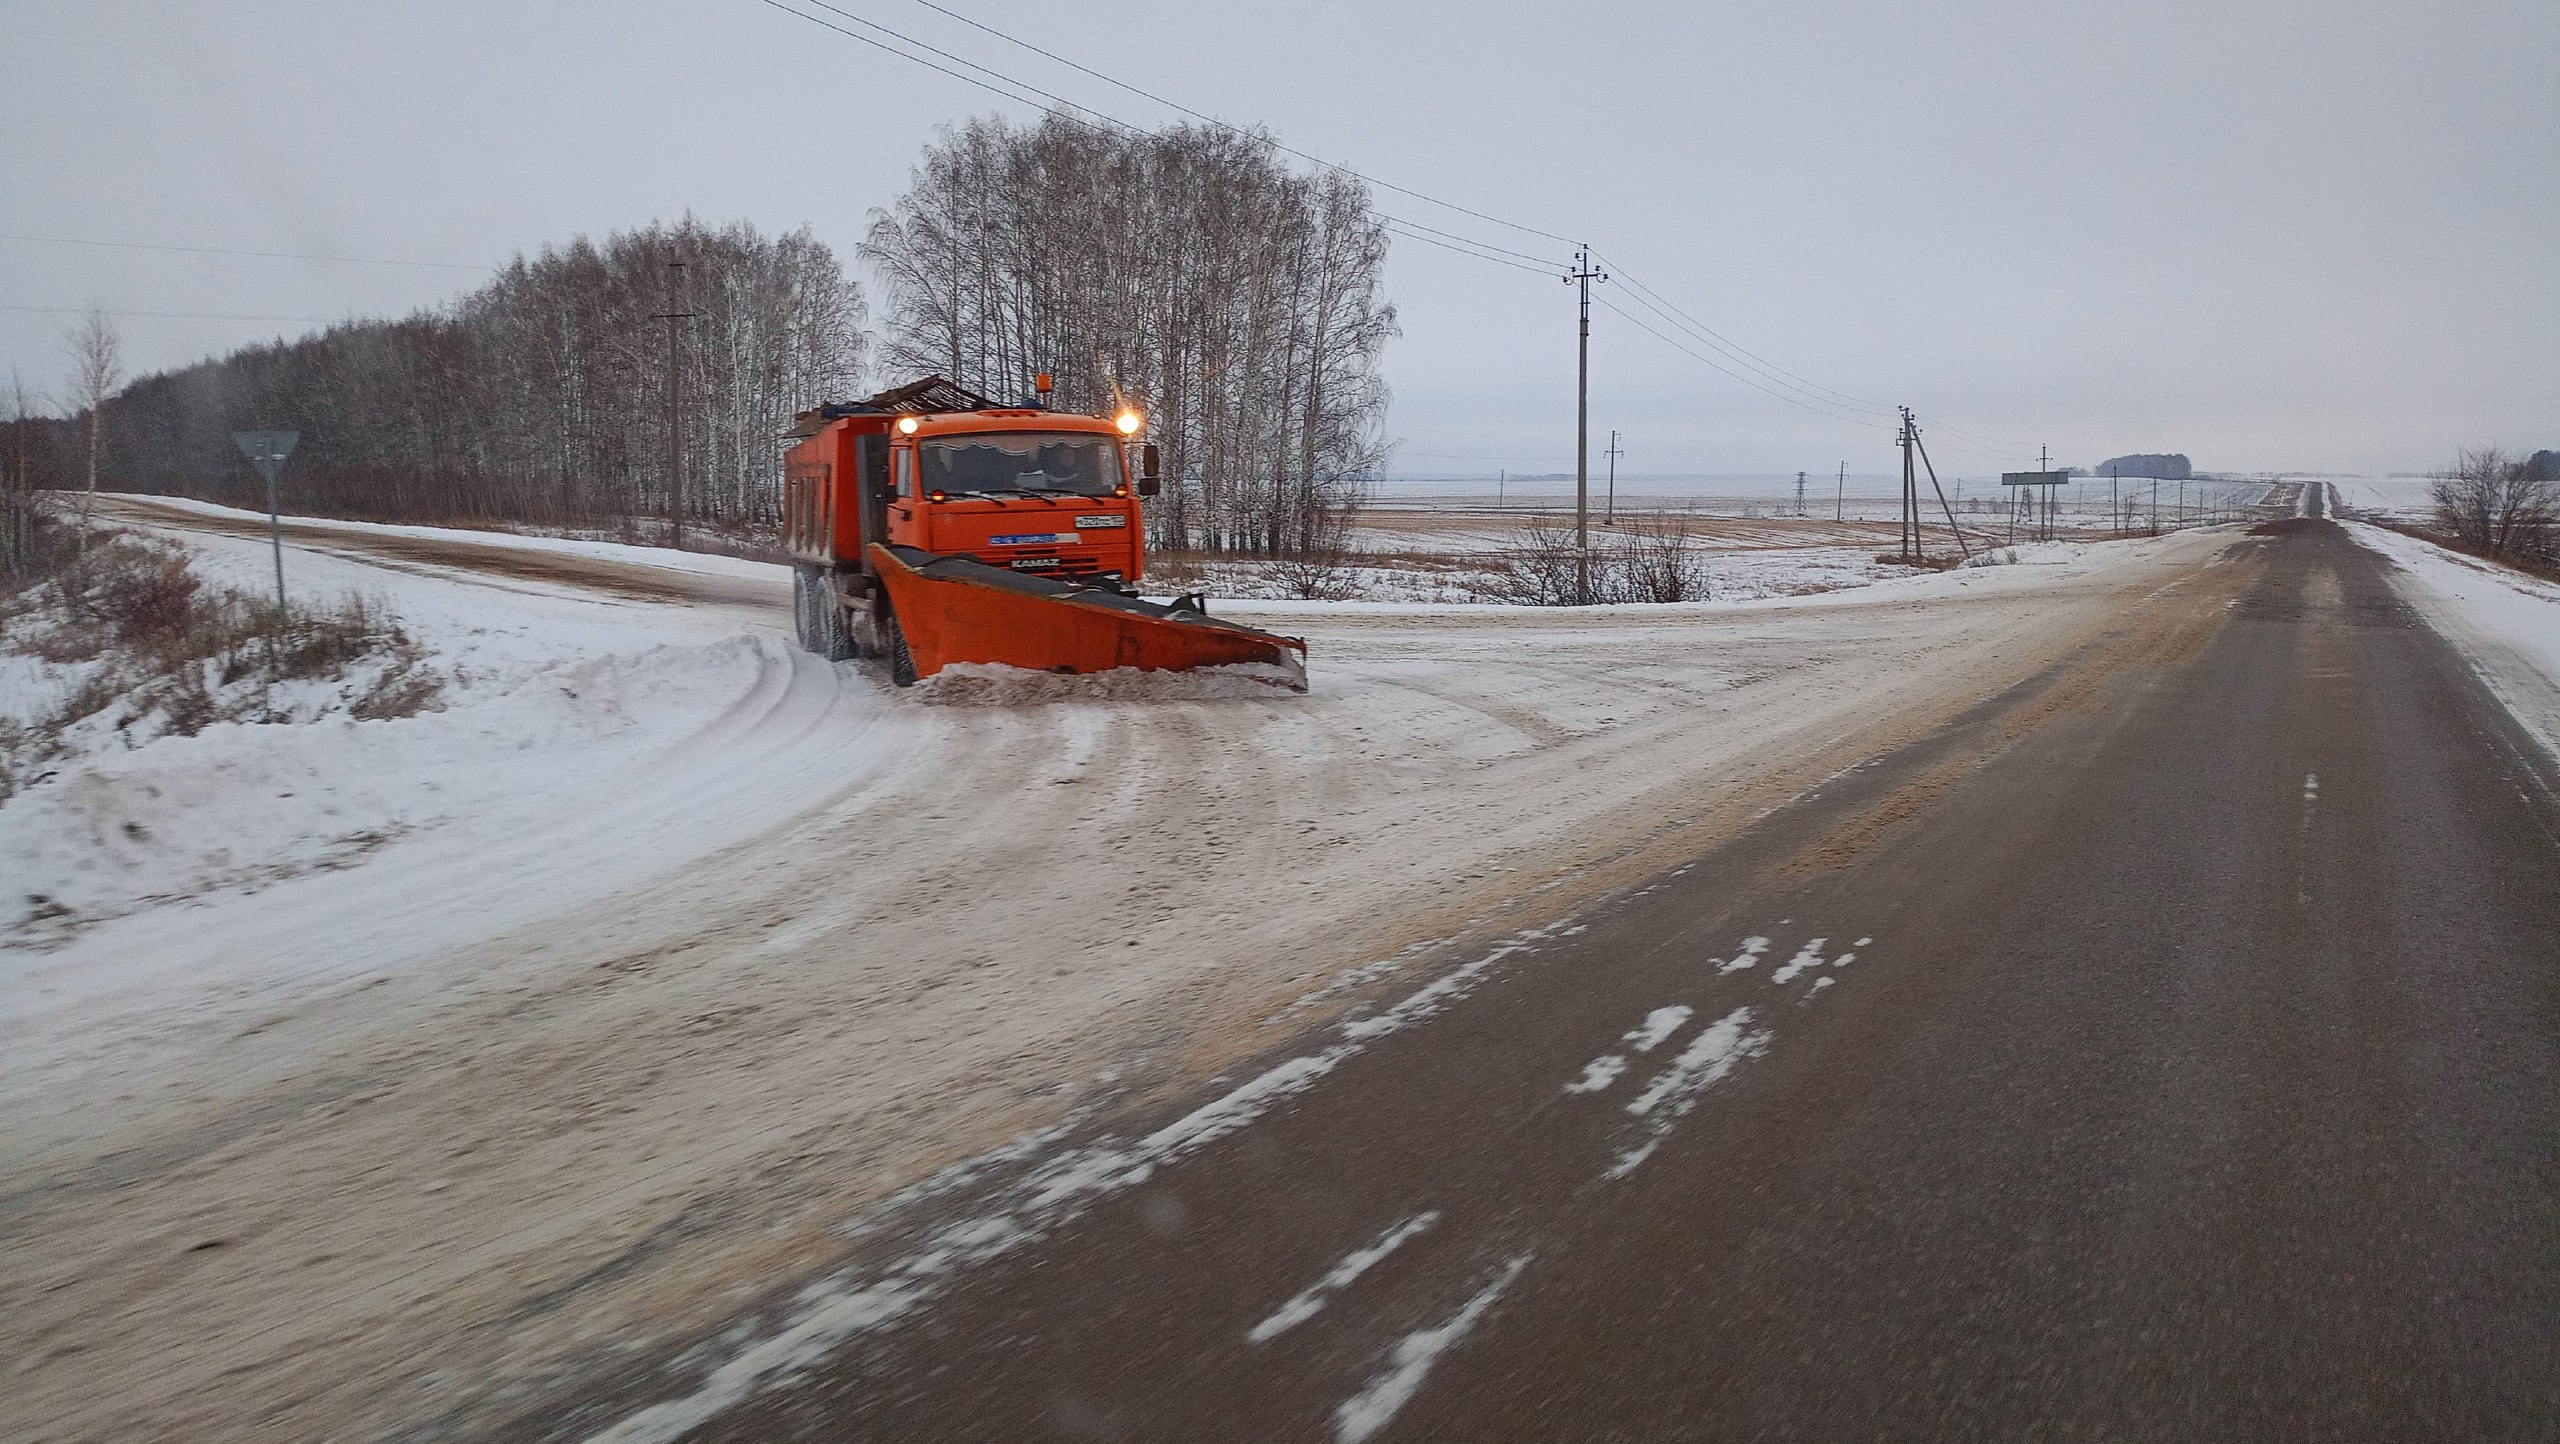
[
  {"x": 902, "y": 663},
  {"x": 835, "y": 636},
  {"x": 803, "y": 608}
]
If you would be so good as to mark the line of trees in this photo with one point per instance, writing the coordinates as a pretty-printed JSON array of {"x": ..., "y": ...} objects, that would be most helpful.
[
  {"x": 1186, "y": 272},
  {"x": 538, "y": 397}
]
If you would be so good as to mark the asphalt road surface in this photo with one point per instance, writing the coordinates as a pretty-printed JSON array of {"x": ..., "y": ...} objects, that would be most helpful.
[{"x": 2163, "y": 1051}]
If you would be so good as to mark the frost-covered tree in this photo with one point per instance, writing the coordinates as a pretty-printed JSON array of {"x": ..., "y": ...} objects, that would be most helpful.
[{"x": 1186, "y": 272}]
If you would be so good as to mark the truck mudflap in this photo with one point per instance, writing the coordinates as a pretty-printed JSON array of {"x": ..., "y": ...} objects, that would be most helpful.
[{"x": 952, "y": 609}]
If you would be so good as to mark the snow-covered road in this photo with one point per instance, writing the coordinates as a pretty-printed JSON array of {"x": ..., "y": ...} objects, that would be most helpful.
[{"x": 385, "y": 1062}]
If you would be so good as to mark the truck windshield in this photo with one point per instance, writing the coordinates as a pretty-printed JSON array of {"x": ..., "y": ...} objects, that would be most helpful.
[{"x": 1074, "y": 463}]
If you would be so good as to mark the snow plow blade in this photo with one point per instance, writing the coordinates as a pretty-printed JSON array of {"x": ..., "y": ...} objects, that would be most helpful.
[{"x": 952, "y": 609}]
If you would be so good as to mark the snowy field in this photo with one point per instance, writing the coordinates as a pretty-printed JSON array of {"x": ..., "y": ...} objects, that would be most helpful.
[{"x": 377, "y": 1064}]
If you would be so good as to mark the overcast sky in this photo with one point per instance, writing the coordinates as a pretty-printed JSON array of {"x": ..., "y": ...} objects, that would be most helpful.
[{"x": 2272, "y": 235}]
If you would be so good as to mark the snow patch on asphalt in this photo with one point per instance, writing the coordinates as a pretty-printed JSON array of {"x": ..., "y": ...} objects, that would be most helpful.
[
  {"x": 1752, "y": 948},
  {"x": 1714, "y": 1053},
  {"x": 1368, "y": 1411},
  {"x": 1598, "y": 1074},
  {"x": 1658, "y": 1025}
]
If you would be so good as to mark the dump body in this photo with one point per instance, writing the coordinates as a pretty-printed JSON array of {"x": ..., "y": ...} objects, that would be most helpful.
[{"x": 928, "y": 527}]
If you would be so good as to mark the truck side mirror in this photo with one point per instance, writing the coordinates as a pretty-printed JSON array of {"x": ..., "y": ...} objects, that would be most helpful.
[{"x": 1150, "y": 470}]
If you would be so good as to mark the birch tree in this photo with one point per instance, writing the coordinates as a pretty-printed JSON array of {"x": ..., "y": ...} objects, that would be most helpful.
[{"x": 1186, "y": 272}]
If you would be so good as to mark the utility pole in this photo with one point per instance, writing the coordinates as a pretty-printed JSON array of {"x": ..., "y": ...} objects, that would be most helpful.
[
  {"x": 1584, "y": 274},
  {"x": 675, "y": 408},
  {"x": 1840, "y": 494},
  {"x": 1799, "y": 493},
  {"x": 1910, "y": 493},
  {"x": 1501, "y": 484},
  {"x": 1613, "y": 453},
  {"x": 2043, "y": 530}
]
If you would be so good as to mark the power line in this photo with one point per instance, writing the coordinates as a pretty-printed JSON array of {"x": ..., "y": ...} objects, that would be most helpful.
[
  {"x": 1061, "y": 106},
  {"x": 1638, "y": 322},
  {"x": 1542, "y": 263},
  {"x": 906, "y": 39},
  {"x": 1397, "y": 227},
  {"x": 268, "y": 255},
  {"x": 1806, "y": 391},
  {"x": 1225, "y": 125},
  {"x": 930, "y": 65},
  {"x": 1757, "y": 362}
]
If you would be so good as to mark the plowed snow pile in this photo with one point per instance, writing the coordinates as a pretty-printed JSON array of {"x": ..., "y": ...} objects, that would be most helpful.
[
  {"x": 676, "y": 946},
  {"x": 2506, "y": 622}
]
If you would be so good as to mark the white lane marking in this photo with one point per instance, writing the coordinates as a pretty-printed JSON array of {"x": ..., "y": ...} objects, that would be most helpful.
[
  {"x": 1752, "y": 948},
  {"x": 838, "y": 1308},
  {"x": 1666, "y": 1100},
  {"x": 1368, "y": 1411},
  {"x": 1355, "y": 1263},
  {"x": 1597, "y": 1074},
  {"x": 2311, "y": 787},
  {"x": 1659, "y": 1024}
]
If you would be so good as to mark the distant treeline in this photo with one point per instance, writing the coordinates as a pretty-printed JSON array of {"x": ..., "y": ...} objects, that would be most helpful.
[
  {"x": 538, "y": 397},
  {"x": 2166, "y": 466},
  {"x": 1187, "y": 273}
]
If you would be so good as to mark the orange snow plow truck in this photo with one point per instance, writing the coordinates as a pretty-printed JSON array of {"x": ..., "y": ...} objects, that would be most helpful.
[{"x": 929, "y": 526}]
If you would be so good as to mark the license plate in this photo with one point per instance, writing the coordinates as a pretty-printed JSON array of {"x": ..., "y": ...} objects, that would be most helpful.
[
  {"x": 1036, "y": 539},
  {"x": 1096, "y": 523}
]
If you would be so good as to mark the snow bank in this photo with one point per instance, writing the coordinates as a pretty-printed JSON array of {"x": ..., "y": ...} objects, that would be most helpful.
[
  {"x": 976, "y": 684},
  {"x": 242, "y": 806},
  {"x": 2507, "y": 623}
]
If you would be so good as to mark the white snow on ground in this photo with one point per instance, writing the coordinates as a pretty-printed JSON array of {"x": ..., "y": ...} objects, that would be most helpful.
[
  {"x": 2507, "y": 623},
  {"x": 555, "y": 700},
  {"x": 679, "y": 946}
]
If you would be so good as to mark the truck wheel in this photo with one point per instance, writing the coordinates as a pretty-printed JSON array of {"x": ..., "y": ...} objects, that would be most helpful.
[
  {"x": 902, "y": 663},
  {"x": 836, "y": 636},
  {"x": 802, "y": 610}
]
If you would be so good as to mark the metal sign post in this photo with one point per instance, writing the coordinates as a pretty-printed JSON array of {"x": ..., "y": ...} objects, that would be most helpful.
[
  {"x": 2041, "y": 523},
  {"x": 266, "y": 451}
]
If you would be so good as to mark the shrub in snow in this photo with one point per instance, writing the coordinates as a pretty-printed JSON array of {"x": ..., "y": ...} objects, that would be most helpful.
[{"x": 119, "y": 641}]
